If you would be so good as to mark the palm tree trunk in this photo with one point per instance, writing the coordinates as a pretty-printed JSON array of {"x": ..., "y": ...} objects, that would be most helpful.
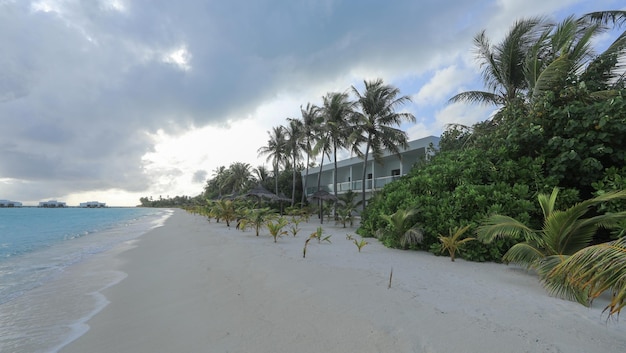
[
  {"x": 335, "y": 181},
  {"x": 293, "y": 181},
  {"x": 367, "y": 150},
  {"x": 319, "y": 184},
  {"x": 306, "y": 178},
  {"x": 276, "y": 177}
]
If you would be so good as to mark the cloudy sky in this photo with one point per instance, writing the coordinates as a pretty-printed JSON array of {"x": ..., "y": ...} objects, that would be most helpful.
[{"x": 111, "y": 100}]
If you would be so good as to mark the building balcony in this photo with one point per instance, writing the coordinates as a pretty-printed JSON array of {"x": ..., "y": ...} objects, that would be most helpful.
[{"x": 355, "y": 186}]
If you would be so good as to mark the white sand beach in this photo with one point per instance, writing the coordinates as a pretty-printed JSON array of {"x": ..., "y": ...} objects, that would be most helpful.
[{"x": 195, "y": 286}]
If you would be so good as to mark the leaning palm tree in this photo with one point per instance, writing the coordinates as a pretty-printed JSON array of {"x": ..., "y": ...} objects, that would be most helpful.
[
  {"x": 310, "y": 121},
  {"x": 503, "y": 64},
  {"x": 566, "y": 51},
  {"x": 294, "y": 144},
  {"x": 337, "y": 112},
  {"x": 563, "y": 233},
  {"x": 378, "y": 123},
  {"x": 275, "y": 150},
  {"x": 590, "y": 272}
]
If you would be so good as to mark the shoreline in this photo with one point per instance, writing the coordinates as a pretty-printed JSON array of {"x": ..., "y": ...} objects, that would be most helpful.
[{"x": 194, "y": 285}]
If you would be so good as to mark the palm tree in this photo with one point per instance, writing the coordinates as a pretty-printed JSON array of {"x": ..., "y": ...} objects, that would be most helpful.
[
  {"x": 402, "y": 228},
  {"x": 565, "y": 51},
  {"x": 225, "y": 209},
  {"x": 310, "y": 120},
  {"x": 275, "y": 150},
  {"x": 219, "y": 174},
  {"x": 238, "y": 177},
  {"x": 536, "y": 56},
  {"x": 377, "y": 123},
  {"x": 294, "y": 134},
  {"x": 322, "y": 146},
  {"x": 338, "y": 114},
  {"x": 503, "y": 64},
  {"x": 563, "y": 233},
  {"x": 262, "y": 174}
]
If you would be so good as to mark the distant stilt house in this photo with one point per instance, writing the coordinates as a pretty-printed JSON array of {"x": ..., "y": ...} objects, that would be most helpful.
[
  {"x": 350, "y": 171},
  {"x": 8, "y": 203},
  {"x": 93, "y": 204},
  {"x": 52, "y": 204}
]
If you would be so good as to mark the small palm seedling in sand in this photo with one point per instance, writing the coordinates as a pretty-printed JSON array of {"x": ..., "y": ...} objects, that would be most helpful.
[
  {"x": 225, "y": 209},
  {"x": 360, "y": 244},
  {"x": 306, "y": 242},
  {"x": 257, "y": 218},
  {"x": 453, "y": 242},
  {"x": 276, "y": 227},
  {"x": 319, "y": 234},
  {"x": 349, "y": 236},
  {"x": 295, "y": 222}
]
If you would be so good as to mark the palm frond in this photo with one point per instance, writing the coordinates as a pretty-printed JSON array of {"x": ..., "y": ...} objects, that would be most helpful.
[
  {"x": 477, "y": 97},
  {"x": 616, "y": 17},
  {"x": 590, "y": 272},
  {"x": 552, "y": 75},
  {"x": 410, "y": 237},
  {"x": 524, "y": 254},
  {"x": 499, "y": 226},
  {"x": 544, "y": 266},
  {"x": 548, "y": 203}
]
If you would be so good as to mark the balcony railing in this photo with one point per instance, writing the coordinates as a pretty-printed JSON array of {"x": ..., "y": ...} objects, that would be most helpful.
[{"x": 355, "y": 186}]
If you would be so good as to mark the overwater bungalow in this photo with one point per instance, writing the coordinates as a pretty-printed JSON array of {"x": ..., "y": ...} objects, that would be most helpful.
[
  {"x": 8, "y": 203},
  {"x": 93, "y": 204},
  {"x": 52, "y": 204}
]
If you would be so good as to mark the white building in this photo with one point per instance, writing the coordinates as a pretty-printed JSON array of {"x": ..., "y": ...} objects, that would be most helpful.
[
  {"x": 52, "y": 204},
  {"x": 93, "y": 204},
  {"x": 8, "y": 203},
  {"x": 350, "y": 171}
]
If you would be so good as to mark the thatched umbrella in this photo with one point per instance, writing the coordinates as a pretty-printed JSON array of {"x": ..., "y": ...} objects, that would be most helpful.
[
  {"x": 323, "y": 195},
  {"x": 262, "y": 193}
]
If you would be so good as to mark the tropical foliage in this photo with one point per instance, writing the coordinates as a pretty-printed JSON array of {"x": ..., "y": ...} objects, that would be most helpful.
[
  {"x": 563, "y": 233},
  {"x": 401, "y": 230}
]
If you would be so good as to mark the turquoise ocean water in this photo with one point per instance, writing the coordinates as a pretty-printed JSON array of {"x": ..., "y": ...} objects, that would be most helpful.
[{"x": 54, "y": 263}]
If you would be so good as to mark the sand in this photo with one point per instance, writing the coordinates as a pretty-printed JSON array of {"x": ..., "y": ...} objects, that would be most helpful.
[{"x": 195, "y": 286}]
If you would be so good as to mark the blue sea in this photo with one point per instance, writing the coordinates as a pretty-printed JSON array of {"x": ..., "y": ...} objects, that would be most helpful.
[{"x": 53, "y": 265}]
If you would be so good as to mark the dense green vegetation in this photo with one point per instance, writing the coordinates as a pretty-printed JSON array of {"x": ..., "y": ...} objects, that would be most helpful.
[{"x": 561, "y": 122}]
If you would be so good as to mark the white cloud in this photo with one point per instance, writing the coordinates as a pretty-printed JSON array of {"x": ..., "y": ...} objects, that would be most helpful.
[
  {"x": 464, "y": 114},
  {"x": 442, "y": 85},
  {"x": 179, "y": 57}
]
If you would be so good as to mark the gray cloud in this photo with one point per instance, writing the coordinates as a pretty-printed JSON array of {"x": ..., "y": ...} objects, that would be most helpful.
[{"x": 80, "y": 87}]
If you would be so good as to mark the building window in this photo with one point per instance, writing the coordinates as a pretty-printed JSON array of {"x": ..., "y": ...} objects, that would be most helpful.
[
  {"x": 369, "y": 176},
  {"x": 395, "y": 172}
]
